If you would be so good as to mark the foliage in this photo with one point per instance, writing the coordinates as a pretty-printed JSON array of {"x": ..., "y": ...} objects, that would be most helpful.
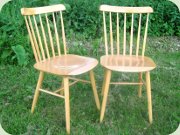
[
  {"x": 83, "y": 21},
  {"x": 21, "y": 54},
  {"x": 84, "y": 17}
]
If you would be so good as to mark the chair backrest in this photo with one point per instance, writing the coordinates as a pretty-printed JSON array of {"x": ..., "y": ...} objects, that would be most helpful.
[
  {"x": 124, "y": 21},
  {"x": 46, "y": 31}
]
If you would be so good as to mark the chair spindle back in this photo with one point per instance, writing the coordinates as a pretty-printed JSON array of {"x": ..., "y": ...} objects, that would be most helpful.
[
  {"x": 131, "y": 17},
  {"x": 46, "y": 31}
]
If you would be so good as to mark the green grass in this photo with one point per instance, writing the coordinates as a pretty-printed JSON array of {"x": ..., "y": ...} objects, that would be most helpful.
[{"x": 126, "y": 114}]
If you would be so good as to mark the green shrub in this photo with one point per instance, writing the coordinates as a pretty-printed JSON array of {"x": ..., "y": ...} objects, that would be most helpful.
[{"x": 82, "y": 19}]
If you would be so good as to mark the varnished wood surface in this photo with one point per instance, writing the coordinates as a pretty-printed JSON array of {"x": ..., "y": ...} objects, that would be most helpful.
[
  {"x": 124, "y": 51},
  {"x": 127, "y": 63},
  {"x": 67, "y": 65},
  {"x": 121, "y": 9},
  {"x": 40, "y": 10},
  {"x": 47, "y": 35}
]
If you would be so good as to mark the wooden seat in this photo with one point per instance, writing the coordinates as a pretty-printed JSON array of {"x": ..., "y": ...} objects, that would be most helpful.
[
  {"x": 67, "y": 65},
  {"x": 125, "y": 35},
  {"x": 127, "y": 63},
  {"x": 47, "y": 35}
]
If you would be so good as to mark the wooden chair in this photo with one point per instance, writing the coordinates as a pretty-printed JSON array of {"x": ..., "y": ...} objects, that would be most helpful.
[
  {"x": 125, "y": 54},
  {"x": 46, "y": 31}
]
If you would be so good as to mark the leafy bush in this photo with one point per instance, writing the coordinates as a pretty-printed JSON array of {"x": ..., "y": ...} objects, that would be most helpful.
[
  {"x": 84, "y": 16},
  {"x": 83, "y": 19}
]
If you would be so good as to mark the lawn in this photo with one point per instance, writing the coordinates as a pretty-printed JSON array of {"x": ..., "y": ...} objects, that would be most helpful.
[{"x": 126, "y": 113}]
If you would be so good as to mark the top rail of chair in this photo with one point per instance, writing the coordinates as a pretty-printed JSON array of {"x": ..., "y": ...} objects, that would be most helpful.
[
  {"x": 40, "y": 10},
  {"x": 121, "y": 9}
]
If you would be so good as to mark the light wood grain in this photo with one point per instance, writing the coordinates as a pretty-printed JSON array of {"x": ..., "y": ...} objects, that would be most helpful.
[
  {"x": 142, "y": 26},
  {"x": 127, "y": 63},
  {"x": 41, "y": 10},
  {"x": 145, "y": 35},
  {"x": 79, "y": 80},
  {"x": 63, "y": 33},
  {"x": 44, "y": 37},
  {"x": 61, "y": 90},
  {"x": 106, "y": 89},
  {"x": 124, "y": 41},
  {"x": 32, "y": 32},
  {"x": 117, "y": 23},
  {"x": 120, "y": 9},
  {"x": 111, "y": 34},
  {"x": 67, "y": 65},
  {"x": 105, "y": 33},
  {"x": 129, "y": 59},
  {"x": 39, "y": 39},
  {"x": 50, "y": 35},
  {"x": 56, "y": 35},
  {"x": 140, "y": 86},
  {"x": 126, "y": 83},
  {"x": 51, "y": 93},
  {"x": 93, "y": 83},
  {"x": 131, "y": 37},
  {"x": 148, "y": 87},
  {"x": 36, "y": 95},
  {"x": 47, "y": 35},
  {"x": 104, "y": 81},
  {"x": 138, "y": 37},
  {"x": 67, "y": 103},
  {"x": 31, "y": 39}
]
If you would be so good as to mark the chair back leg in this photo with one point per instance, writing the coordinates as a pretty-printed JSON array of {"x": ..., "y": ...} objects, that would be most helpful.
[
  {"x": 102, "y": 92},
  {"x": 62, "y": 85},
  {"x": 94, "y": 89},
  {"x": 106, "y": 89},
  {"x": 140, "y": 86},
  {"x": 36, "y": 95}
]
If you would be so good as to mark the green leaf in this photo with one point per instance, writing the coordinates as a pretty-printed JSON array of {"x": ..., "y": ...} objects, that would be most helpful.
[
  {"x": 20, "y": 54},
  {"x": 5, "y": 54}
]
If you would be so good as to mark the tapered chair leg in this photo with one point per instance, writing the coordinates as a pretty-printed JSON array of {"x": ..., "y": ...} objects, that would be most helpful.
[
  {"x": 36, "y": 95},
  {"x": 67, "y": 104},
  {"x": 102, "y": 92},
  {"x": 148, "y": 87},
  {"x": 140, "y": 86},
  {"x": 94, "y": 89},
  {"x": 106, "y": 89},
  {"x": 62, "y": 85}
]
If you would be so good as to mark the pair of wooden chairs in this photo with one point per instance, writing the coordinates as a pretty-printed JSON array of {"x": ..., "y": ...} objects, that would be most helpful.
[{"x": 47, "y": 35}]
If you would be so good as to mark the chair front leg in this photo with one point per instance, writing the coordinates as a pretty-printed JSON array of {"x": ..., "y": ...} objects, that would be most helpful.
[
  {"x": 102, "y": 92},
  {"x": 148, "y": 87},
  {"x": 93, "y": 83},
  {"x": 140, "y": 86},
  {"x": 67, "y": 104},
  {"x": 106, "y": 89},
  {"x": 36, "y": 94}
]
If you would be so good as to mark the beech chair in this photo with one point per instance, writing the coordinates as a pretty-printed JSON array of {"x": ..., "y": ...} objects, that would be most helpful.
[
  {"x": 126, "y": 54},
  {"x": 47, "y": 35}
]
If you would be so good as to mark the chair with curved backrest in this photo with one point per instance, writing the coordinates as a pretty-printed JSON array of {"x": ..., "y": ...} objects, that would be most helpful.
[
  {"x": 126, "y": 54},
  {"x": 47, "y": 35}
]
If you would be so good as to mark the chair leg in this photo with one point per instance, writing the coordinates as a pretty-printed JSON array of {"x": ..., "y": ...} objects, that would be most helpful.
[
  {"x": 62, "y": 85},
  {"x": 148, "y": 87},
  {"x": 94, "y": 89},
  {"x": 140, "y": 86},
  {"x": 102, "y": 92},
  {"x": 106, "y": 89},
  {"x": 67, "y": 104},
  {"x": 36, "y": 95}
]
